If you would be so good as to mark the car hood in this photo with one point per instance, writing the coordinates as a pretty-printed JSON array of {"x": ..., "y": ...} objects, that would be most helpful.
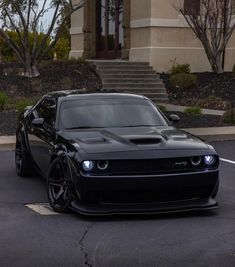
[{"x": 133, "y": 139}]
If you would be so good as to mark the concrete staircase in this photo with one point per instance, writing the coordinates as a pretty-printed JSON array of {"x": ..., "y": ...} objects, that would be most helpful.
[{"x": 132, "y": 77}]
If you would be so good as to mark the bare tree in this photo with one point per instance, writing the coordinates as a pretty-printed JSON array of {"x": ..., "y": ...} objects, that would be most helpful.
[
  {"x": 27, "y": 17},
  {"x": 213, "y": 24}
]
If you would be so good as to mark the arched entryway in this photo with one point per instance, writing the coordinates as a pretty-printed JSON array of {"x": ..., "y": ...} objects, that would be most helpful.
[{"x": 106, "y": 29}]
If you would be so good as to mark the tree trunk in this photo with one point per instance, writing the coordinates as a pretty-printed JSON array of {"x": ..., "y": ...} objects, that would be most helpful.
[
  {"x": 31, "y": 71},
  {"x": 219, "y": 63},
  {"x": 30, "y": 68},
  {"x": 216, "y": 61}
]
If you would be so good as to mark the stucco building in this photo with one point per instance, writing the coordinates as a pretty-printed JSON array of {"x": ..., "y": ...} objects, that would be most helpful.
[{"x": 139, "y": 30}]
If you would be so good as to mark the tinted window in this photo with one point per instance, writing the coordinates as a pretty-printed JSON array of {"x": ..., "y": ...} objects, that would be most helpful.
[
  {"x": 109, "y": 113},
  {"x": 46, "y": 109}
]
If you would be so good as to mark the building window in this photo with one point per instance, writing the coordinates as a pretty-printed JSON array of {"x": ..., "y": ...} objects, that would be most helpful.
[{"x": 192, "y": 7}]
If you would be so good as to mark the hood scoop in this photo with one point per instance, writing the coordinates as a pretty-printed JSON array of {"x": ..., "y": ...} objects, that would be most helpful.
[
  {"x": 143, "y": 141},
  {"x": 93, "y": 140},
  {"x": 176, "y": 135}
]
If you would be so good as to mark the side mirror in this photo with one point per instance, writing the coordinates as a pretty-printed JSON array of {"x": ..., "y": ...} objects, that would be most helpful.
[
  {"x": 174, "y": 118},
  {"x": 28, "y": 108},
  {"x": 38, "y": 122}
]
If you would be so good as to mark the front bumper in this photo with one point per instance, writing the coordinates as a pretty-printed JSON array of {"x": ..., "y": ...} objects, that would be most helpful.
[
  {"x": 156, "y": 208},
  {"x": 144, "y": 194}
]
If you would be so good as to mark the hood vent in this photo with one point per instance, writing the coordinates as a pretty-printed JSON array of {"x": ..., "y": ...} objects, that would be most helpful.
[
  {"x": 145, "y": 141},
  {"x": 93, "y": 140}
]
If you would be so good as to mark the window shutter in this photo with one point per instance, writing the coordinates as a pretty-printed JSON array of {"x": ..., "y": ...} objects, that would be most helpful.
[{"x": 192, "y": 7}]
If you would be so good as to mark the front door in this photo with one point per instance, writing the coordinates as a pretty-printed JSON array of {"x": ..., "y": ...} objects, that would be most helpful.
[{"x": 109, "y": 28}]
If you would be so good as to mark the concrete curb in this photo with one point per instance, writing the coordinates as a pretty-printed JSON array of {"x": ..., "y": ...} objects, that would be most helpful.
[
  {"x": 213, "y": 133},
  {"x": 7, "y": 143}
]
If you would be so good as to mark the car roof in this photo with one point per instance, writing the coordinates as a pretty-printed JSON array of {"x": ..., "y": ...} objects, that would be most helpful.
[{"x": 83, "y": 94}]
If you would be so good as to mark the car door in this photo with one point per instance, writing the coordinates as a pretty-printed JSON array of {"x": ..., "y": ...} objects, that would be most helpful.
[{"x": 41, "y": 138}]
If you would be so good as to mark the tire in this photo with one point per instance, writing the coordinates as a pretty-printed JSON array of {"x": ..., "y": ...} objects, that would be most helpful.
[
  {"x": 23, "y": 162},
  {"x": 60, "y": 186}
]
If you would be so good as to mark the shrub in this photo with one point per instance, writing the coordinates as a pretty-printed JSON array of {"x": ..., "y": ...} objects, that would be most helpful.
[
  {"x": 21, "y": 104},
  {"x": 212, "y": 102},
  {"x": 183, "y": 80},
  {"x": 193, "y": 111},
  {"x": 9, "y": 55},
  {"x": 180, "y": 68},
  {"x": 62, "y": 49},
  {"x": 3, "y": 100}
]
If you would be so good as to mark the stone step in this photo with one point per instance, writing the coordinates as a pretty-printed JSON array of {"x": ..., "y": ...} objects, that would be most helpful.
[
  {"x": 131, "y": 76},
  {"x": 143, "y": 91},
  {"x": 131, "y": 80},
  {"x": 160, "y": 97},
  {"x": 121, "y": 68},
  {"x": 154, "y": 95},
  {"x": 120, "y": 63},
  {"x": 132, "y": 85},
  {"x": 125, "y": 71},
  {"x": 160, "y": 100}
]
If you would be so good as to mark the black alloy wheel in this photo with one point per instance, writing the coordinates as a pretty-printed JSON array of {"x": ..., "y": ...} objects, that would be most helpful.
[
  {"x": 22, "y": 160},
  {"x": 60, "y": 185}
]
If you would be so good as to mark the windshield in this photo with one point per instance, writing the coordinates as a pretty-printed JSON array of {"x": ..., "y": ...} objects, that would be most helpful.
[{"x": 109, "y": 113}]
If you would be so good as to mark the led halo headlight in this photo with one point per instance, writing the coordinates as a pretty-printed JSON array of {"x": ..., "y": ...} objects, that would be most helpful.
[
  {"x": 102, "y": 165},
  {"x": 88, "y": 165},
  {"x": 209, "y": 160},
  {"x": 196, "y": 161}
]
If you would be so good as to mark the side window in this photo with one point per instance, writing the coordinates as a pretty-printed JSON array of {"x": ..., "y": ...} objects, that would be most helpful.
[
  {"x": 47, "y": 110},
  {"x": 192, "y": 7}
]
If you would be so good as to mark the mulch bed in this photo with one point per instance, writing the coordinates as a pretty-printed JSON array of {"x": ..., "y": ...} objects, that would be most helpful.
[
  {"x": 8, "y": 122},
  {"x": 54, "y": 76},
  {"x": 74, "y": 75},
  {"x": 209, "y": 84},
  {"x": 188, "y": 121}
]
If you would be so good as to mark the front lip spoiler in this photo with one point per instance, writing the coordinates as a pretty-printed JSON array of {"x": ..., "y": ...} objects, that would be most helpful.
[
  {"x": 148, "y": 175},
  {"x": 153, "y": 208}
]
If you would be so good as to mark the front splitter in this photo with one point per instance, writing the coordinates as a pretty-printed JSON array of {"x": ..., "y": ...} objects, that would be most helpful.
[{"x": 153, "y": 208}]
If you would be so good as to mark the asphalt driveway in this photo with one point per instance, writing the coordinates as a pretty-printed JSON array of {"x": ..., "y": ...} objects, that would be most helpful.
[{"x": 28, "y": 238}]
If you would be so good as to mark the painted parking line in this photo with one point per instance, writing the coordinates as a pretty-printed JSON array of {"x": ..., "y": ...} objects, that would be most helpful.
[
  {"x": 42, "y": 208},
  {"x": 227, "y": 160}
]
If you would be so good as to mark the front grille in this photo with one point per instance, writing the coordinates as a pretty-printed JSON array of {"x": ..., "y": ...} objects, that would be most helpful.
[
  {"x": 148, "y": 197},
  {"x": 149, "y": 167}
]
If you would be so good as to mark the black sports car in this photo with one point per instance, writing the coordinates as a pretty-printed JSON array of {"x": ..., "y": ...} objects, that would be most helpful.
[{"x": 109, "y": 153}]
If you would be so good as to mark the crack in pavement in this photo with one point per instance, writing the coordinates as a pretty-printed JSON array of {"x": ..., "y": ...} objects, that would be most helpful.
[{"x": 82, "y": 247}]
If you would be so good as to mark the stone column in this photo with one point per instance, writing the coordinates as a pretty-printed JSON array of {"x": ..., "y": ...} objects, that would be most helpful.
[
  {"x": 76, "y": 31},
  {"x": 90, "y": 29},
  {"x": 126, "y": 29}
]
